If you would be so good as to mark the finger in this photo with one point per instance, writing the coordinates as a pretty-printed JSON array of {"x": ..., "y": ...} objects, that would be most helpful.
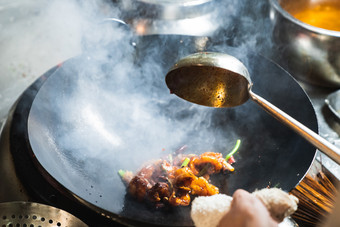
[
  {"x": 242, "y": 199},
  {"x": 241, "y": 194}
]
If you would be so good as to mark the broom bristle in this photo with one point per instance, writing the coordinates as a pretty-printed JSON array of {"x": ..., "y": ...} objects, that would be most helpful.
[{"x": 316, "y": 198}]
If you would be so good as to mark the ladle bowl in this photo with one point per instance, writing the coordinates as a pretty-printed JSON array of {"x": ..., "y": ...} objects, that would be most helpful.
[{"x": 221, "y": 80}]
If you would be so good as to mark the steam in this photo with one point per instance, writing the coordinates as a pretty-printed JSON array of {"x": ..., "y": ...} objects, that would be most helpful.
[
  {"x": 36, "y": 35},
  {"x": 41, "y": 34},
  {"x": 246, "y": 26},
  {"x": 110, "y": 109}
]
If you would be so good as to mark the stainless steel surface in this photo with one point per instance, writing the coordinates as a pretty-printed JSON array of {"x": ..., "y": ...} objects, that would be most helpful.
[
  {"x": 11, "y": 188},
  {"x": 167, "y": 9},
  {"x": 329, "y": 125},
  {"x": 309, "y": 53},
  {"x": 34, "y": 37},
  {"x": 220, "y": 80},
  {"x": 333, "y": 103},
  {"x": 35, "y": 214},
  {"x": 180, "y": 17}
]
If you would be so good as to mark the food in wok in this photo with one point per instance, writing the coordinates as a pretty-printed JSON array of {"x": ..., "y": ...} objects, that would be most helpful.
[{"x": 176, "y": 178}]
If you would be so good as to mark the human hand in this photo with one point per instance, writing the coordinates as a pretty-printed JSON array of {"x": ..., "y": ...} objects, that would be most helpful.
[{"x": 247, "y": 211}]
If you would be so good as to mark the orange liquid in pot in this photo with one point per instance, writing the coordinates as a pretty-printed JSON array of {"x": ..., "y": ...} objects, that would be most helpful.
[{"x": 323, "y": 15}]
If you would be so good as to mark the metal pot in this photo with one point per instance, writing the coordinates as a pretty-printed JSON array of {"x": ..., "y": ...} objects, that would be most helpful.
[
  {"x": 181, "y": 17},
  {"x": 309, "y": 53}
]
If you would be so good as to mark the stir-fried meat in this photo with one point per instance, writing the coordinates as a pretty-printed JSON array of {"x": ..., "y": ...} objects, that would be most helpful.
[
  {"x": 167, "y": 182},
  {"x": 209, "y": 163},
  {"x": 186, "y": 180},
  {"x": 183, "y": 177},
  {"x": 201, "y": 187},
  {"x": 180, "y": 198},
  {"x": 139, "y": 186},
  {"x": 158, "y": 192}
]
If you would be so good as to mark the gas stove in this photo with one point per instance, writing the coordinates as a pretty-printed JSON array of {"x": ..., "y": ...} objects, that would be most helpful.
[
  {"x": 26, "y": 179},
  {"x": 84, "y": 184},
  {"x": 23, "y": 181}
]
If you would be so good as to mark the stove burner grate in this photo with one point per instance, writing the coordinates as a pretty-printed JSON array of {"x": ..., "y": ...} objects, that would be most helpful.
[{"x": 35, "y": 215}]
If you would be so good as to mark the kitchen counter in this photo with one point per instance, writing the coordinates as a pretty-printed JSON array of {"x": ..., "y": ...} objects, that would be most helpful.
[
  {"x": 33, "y": 39},
  {"x": 329, "y": 125}
]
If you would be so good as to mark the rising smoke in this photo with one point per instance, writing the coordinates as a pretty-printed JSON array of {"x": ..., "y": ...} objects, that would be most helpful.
[{"x": 110, "y": 109}]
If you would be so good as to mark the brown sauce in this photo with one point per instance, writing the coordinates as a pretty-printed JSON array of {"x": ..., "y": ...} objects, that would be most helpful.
[{"x": 324, "y": 15}]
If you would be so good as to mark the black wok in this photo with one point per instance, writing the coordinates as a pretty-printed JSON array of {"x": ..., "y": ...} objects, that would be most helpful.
[{"x": 88, "y": 122}]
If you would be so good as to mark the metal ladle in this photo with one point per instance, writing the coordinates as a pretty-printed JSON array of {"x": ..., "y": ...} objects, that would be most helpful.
[{"x": 220, "y": 80}]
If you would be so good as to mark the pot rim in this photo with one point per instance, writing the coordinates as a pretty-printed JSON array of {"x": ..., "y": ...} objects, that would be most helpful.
[
  {"x": 176, "y": 2},
  {"x": 284, "y": 13}
]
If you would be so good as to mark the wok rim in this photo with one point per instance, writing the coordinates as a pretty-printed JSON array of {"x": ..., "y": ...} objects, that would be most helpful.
[{"x": 116, "y": 217}]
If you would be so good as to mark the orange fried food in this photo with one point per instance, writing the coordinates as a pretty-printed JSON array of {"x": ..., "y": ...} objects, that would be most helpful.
[
  {"x": 173, "y": 181},
  {"x": 186, "y": 180},
  {"x": 209, "y": 163},
  {"x": 180, "y": 198},
  {"x": 183, "y": 177},
  {"x": 201, "y": 187},
  {"x": 187, "y": 183}
]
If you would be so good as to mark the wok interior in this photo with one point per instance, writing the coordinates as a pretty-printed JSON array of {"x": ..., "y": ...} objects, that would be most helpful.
[{"x": 86, "y": 123}]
